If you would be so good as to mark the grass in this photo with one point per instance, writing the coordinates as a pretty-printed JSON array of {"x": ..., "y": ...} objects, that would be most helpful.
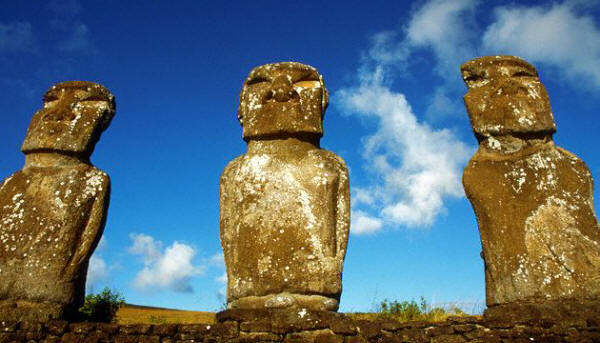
[
  {"x": 405, "y": 311},
  {"x": 402, "y": 311},
  {"x": 135, "y": 314}
]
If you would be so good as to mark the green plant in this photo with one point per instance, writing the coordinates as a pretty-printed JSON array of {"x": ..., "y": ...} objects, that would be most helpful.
[
  {"x": 411, "y": 310},
  {"x": 102, "y": 307},
  {"x": 403, "y": 310}
]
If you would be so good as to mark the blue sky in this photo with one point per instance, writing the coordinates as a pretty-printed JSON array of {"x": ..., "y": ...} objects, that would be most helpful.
[{"x": 396, "y": 117}]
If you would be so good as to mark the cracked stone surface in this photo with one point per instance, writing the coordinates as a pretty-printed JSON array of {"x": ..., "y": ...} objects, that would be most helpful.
[
  {"x": 532, "y": 199},
  {"x": 53, "y": 211},
  {"x": 285, "y": 204}
]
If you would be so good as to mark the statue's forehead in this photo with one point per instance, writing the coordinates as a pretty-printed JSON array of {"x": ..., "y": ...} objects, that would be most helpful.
[
  {"x": 495, "y": 65},
  {"x": 79, "y": 89},
  {"x": 283, "y": 68}
]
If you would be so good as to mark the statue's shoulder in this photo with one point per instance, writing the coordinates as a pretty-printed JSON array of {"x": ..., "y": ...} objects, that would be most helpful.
[
  {"x": 233, "y": 166},
  {"x": 11, "y": 180},
  {"x": 94, "y": 175},
  {"x": 94, "y": 180},
  {"x": 473, "y": 164},
  {"x": 576, "y": 164},
  {"x": 573, "y": 159},
  {"x": 331, "y": 159}
]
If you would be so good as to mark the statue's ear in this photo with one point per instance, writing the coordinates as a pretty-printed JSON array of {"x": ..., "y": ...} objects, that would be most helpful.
[
  {"x": 325, "y": 99},
  {"x": 241, "y": 111}
]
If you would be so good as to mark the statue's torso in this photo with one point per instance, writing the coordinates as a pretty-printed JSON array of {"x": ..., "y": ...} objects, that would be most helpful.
[
  {"x": 278, "y": 223},
  {"x": 538, "y": 230},
  {"x": 43, "y": 214}
]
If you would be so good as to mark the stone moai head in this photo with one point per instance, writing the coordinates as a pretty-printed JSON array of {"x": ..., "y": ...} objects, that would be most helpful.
[
  {"x": 505, "y": 97},
  {"x": 282, "y": 99},
  {"x": 74, "y": 115}
]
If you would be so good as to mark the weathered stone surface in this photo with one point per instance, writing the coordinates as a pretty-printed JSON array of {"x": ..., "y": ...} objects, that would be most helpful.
[
  {"x": 569, "y": 311},
  {"x": 285, "y": 204},
  {"x": 532, "y": 200},
  {"x": 52, "y": 212},
  {"x": 282, "y": 320},
  {"x": 506, "y": 97},
  {"x": 282, "y": 99},
  {"x": 480, "y": 330}
]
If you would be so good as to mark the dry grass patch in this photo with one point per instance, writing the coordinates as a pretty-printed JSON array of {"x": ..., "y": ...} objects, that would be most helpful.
[{"x": 133, "y": 314}]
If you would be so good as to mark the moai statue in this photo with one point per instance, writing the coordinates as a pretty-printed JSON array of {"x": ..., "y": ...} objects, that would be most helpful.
[
  {"x": 532, "y": 199},
  {"x": 53, "y": 211},
  {"x": 285, "y": 204}
]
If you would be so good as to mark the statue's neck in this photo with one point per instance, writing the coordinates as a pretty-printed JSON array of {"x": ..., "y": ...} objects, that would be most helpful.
[
  {"x": 282, "y": 145},
  {"x": 513, "y": 144},
  {"x": 52, "y": 159}
]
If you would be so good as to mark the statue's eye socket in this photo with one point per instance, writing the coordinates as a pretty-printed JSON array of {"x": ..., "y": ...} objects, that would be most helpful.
[
  {"x": 522, "y": 73},
  {"x": 308, "y": 84},
  {"x": 256, "y": 80},
  {"x": 50, "y": 98},
  {"x": 473, "y": 78}
]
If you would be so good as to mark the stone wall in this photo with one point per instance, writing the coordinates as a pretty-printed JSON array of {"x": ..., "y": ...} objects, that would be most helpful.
[{"x": 305, "y": 326}]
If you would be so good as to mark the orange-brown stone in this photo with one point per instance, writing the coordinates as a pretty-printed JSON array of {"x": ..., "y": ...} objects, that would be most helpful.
[
  {"x": 285, "y": 203},
  {"x": 532, "y": 200},
  {"x": 53, "y": 211}
]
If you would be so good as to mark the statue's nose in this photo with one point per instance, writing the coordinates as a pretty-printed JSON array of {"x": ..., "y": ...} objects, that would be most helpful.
[
  {"x": 511, "y": 88},
  {"x": 281, "y": 89},
  {"x": 61, "y": 111}
]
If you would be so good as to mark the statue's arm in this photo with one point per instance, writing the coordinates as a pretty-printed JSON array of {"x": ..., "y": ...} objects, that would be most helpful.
[
  {"x": 342, "y": 222},
  {"x": 92, "y": 232},
  {"x": 226, "y": 190}
]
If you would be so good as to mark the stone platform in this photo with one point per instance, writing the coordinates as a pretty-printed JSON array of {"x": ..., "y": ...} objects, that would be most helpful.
[{"x": 308, "y": 326}]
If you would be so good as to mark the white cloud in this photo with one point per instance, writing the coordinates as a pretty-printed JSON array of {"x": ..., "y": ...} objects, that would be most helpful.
[
  {"x": 556, "y": 35},
  {"x": 16, "y": 37},
  {"x": 102, "y": 244},
  {"x": 146, "y": 246},
  {"x": 361, "y": 196},
  {"x": 443, "y": 104},
  {"x": 171, "y": 269},
  {"x": 97, "y": 271},
  {"x": 362, "y": 223},
  {"x": 447, "y": 28},
  {"x": 217, "y": 260},
  {"x": 418, "y": 166},
  {"x": 387, "y": 50},
  {"x": 222, "y": 280}
]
